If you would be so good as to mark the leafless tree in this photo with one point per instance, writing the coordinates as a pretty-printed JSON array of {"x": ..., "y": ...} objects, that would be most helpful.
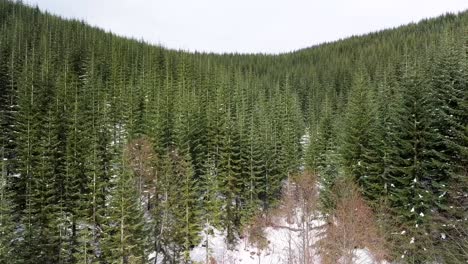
[
  {"x": 351, "y": 226},
  {"x": 142, "y": 158}
]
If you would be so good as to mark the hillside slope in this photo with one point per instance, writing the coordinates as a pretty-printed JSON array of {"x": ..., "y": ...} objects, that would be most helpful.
[{"x": 112, "y": 149}]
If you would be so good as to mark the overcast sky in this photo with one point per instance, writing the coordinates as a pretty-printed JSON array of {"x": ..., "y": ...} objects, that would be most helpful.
[{"x": 268, "y": 26}]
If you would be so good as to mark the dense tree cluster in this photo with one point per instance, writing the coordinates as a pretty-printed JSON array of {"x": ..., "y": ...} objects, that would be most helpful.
[
  {"x": 112, "y": 148},
  {"x": 403, "y": 138}
]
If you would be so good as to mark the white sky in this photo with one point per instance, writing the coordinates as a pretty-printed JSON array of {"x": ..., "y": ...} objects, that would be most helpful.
[{"x": 268, "y": 26}]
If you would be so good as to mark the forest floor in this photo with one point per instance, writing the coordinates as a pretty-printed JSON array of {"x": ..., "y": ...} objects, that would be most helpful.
[{"x": 284, "y": 244}]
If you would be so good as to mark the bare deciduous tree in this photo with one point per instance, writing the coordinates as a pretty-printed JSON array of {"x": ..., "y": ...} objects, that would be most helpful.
[
  {"x": 351, "y": 226},
  {"x": 142, "y": 158}
]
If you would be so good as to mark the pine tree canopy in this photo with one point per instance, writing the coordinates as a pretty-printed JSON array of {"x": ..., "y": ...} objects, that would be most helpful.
[{"x": 112, "y": 150}]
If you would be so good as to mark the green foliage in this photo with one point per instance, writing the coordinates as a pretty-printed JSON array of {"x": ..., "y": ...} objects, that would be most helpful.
[
  {"x": 358, "y": 130},
  {"x": 323, "y": 158},
  {"x": 226, "y": 130},
  {"x": 7, "y": 226},
  {"x": 124, "y": 232},
  {"x": 413, "y": 189}
]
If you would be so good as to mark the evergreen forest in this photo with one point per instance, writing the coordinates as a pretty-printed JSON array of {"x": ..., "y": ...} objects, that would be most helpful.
[{"x": 112, "y": 148}]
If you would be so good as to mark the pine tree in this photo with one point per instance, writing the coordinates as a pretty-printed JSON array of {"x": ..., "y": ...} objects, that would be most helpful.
[
  {"x": 320, "y": 140},
  {"x": 386, "y": 100},
  {"x": 211, "y": 212},
  {"x": 29, "y": 184},
  {"x": 252, "y": 167},
  {"x": 227, "y": 129},
  {"x": 90, "y": 233},
  {"x": 272, "y": 177},
  {"x": 7, "y": 226},
  {"x": 187, "y": 210},
  {"x": 358, "y": 130},
  {"x": 161, "y": 212},
  {"x": 229, "y": 172},
  {"x": 124, "y": 237},
  {"x": 448, "y": 95},
  {"x": 414, "y": 183},
  {"x": 323, "y": 157}
]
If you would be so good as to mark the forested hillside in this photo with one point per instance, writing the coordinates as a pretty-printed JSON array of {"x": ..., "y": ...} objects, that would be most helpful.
[{"x": 112, "y": 148}]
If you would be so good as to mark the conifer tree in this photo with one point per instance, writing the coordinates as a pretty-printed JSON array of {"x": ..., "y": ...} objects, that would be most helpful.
[
  {"x": 253, "y": 166},
  {"x": 187, "y": 211},
  {"x": 28, "y": 184},
  {"x": 7, "y": 226},
  {"x": 414, "y": 184},
  {"x": 448, "y": 95},
  {"x": 229, "y": 172},
  {"x": 358, "y": 130},
  {"x": 212, "y": 205},
  {"x": 385, "y": 100},
  {"x": 163, "y": 220},
  {"x": 124, "y": 241},
  {"x": 227, "y": 129},
  {"x": 323, "y": 157}
]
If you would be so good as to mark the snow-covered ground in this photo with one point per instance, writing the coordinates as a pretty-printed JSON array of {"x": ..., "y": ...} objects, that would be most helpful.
[
  {"x": 285, "y": 242},
  {"x": 284, "y": 245}
]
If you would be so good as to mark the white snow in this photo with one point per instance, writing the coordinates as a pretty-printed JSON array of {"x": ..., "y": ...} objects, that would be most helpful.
[
  {"x": 284, "y": 245},
  {"x": 305, "y": 140},
  {"x": 284, "y": 242},
  {"x": 152, "y": 256},
  {"x": 363, "y": 256}
]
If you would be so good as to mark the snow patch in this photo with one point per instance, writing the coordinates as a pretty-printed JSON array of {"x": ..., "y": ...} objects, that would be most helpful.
[{"x": 285, "y": 244}]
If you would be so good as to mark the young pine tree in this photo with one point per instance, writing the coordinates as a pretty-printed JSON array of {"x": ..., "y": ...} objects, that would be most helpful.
[
  {"x": 358, "y": 130},
  {"x": 124, "y": 234},
  {"x": 323, "y": 157}
]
